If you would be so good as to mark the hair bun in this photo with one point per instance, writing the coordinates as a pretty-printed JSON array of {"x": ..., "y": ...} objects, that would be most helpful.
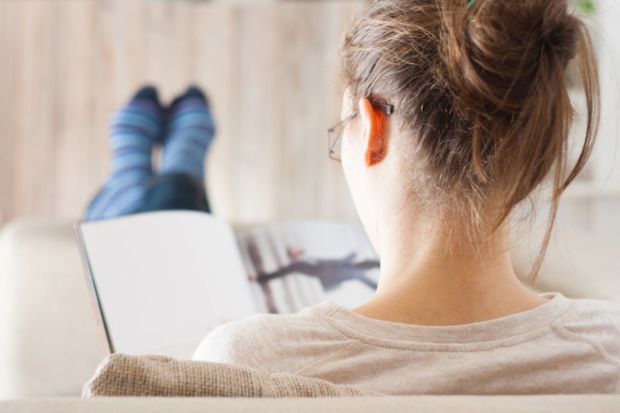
[
  {"x": 497, "y": 50},
  {"x": 560, "y": 31}
]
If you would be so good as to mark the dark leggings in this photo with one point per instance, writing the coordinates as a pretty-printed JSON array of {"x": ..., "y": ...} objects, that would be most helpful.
[{"x": 174, "y": 191}]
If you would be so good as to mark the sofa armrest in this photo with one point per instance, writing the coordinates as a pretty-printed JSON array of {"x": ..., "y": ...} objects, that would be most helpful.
[
  {"x": 392, "y": 404},
  {"x": 49, "y": 342}
]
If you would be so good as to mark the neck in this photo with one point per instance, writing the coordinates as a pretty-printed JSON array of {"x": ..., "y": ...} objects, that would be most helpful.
[{"x": 435, "y": 277}]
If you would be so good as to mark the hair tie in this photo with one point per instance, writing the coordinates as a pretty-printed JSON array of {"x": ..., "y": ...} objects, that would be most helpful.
[{"x": 470, "y": 2}]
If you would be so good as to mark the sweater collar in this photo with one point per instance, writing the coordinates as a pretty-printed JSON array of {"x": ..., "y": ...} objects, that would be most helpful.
[{"x": 510, "y": 328}]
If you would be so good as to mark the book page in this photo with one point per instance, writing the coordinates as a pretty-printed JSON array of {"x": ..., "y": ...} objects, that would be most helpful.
[
  {"x": 165, "y": 279},
  {"x": 298, "y": 264}
]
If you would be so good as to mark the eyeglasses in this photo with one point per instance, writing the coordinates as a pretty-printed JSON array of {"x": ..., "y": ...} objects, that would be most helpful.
[{"x": 334, "y": 134}]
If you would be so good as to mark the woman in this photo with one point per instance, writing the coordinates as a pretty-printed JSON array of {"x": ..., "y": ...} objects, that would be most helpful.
[{"x": 452, "y": 115}]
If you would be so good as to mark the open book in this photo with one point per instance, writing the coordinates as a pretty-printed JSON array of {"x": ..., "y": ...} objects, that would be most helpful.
[{"x": 161, "y": 281}]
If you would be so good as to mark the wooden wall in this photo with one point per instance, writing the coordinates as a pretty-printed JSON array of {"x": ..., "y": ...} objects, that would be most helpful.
[{"x": 271, "y": 72}]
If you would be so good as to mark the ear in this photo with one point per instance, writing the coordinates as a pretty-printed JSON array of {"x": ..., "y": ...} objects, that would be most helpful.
[{"x": 375, "y": 136}]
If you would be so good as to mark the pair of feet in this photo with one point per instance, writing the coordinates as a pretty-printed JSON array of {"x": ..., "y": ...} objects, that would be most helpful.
[{"x": 184, "y": 129}]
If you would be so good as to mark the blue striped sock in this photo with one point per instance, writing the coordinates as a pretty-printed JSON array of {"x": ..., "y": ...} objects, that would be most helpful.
[
  {"x": 133, "y": 131},
  {"x": 190, "y": 130}
]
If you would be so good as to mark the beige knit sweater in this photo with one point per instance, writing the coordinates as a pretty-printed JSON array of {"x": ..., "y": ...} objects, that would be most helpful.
[{"x": 562, "y": 346}]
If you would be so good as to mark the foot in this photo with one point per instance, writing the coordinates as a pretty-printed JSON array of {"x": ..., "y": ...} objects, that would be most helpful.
[
  {"x": 135, "y": 128},
  {"x": 189, "y": 132}
]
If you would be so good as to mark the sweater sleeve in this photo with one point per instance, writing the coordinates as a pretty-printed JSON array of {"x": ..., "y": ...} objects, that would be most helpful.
[
  {"x": 265, "y": 341},
  {"x": 597, "y": 322},
  {"x": 272, "y": 342},
  {"x": 226, "y": 344}
]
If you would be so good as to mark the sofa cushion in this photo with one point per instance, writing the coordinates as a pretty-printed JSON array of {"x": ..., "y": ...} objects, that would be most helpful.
[{"x": 125, "y": 375}]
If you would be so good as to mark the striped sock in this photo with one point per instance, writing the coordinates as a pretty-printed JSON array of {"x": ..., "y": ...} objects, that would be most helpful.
[
  {"x": 190, "y": 131},
  {"x": 133, "y": 131}
]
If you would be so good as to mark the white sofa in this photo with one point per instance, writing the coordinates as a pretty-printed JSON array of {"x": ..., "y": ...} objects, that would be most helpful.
[{"x": 50, "y": 345}]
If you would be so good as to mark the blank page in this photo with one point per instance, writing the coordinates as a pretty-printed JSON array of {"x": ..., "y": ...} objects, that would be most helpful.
[{"x": 165, "y": 279}]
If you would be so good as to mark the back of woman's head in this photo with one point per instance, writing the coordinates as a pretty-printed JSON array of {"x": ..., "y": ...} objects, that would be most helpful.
[{"x": 480, "y": 95}]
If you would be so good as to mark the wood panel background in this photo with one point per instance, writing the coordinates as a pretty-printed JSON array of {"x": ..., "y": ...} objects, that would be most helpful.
[{"x": 271, "y": 71}]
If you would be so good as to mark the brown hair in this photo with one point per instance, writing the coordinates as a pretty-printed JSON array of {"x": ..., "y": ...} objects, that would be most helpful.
[{"x": 480, "y": 93}]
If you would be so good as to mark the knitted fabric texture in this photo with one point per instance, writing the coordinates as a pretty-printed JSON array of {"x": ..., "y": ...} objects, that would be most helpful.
[{"x": 125, "y": 375}]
